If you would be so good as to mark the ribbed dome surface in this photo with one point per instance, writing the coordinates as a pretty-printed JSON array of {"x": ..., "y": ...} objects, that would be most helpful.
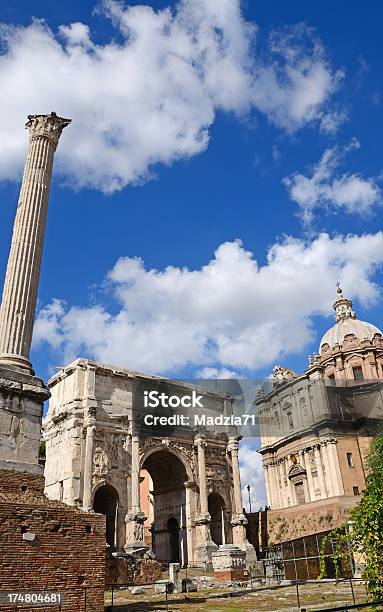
[{"x": 337, "y": 333}]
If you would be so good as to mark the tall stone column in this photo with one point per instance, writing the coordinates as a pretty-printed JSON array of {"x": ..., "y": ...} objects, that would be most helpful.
[
  {"x": 276, "y": 492},
  {"x": 291, "y": 497},
  {"x": 22, "y": 394},
  {"x": 322, "y": 481},
  {"x": 22, "y": 277},
  {"x": 238, "y": 519},
  {"x": 88, "y": 468},
  {"x": 135, "y": 474},
  {"x": 282, "y": 489},
  {"x": 135, "y": 518},
  {"x": 335, "y": 473},
  {"x": 302, "y": 461},
  {"x": 201, "y": 445},
  {"x": 267, "y": 483},
  {"x": 183, "y": 535},
  {"x": 205, "y": 546},
  {"x": 233, "y": 449},
  {"x": 90, "y": 410},
  {"x": 190, "y": 495},
  {"x": 310, "y": 480},
  {"x": 329, "y": 483}
]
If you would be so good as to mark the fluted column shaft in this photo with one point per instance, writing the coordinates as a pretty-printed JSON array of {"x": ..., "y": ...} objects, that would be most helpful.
[
  {"x": 201, "y": 444},
  {"x": 282, "y": 489},
  {"x": 88, "y": 468},
  {"x": 310, "y": 480},
  {"x": 302, "y": 461},
  {"x": 23, "y": 271},
  {"x": 322, "y": 480},
  {"x": 233, "y": 447},
  {"x": 238, "y": 520},
  {"x": 267, "y": 483},
  {"x": 275, "y": 490},
  {"x": 135, "y": 475},
  {"x": 135, "y": 518},
  {"x": 329, "y": 483},
  {"x": 336, "y": 475},
  {"x": 90, "y": 411},
  {"x": 277, "y": 487},
  {"x": 290, "y": 490}
]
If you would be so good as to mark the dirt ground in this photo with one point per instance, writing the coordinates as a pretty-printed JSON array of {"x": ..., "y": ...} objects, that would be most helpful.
[{"x": 312, "y": 596}]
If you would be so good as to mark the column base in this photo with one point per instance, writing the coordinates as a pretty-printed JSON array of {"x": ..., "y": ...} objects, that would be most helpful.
[
  {"x": 17, "y": 362},
  {"x": 205, "y": 546},
  {"x": 135, "y": 544},
  {"x": 22, "y": 399},
  {"x": 204, "y": 553},
  {"x": 229, "y": 563},
  {"x": 238, "y": 523}
]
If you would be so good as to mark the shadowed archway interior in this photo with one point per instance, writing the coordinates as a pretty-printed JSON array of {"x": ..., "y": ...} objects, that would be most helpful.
[
  {"x": 168, "y": 476},
  {"x": 106, "y": 502},
  {"x": 217, "y": 511}
]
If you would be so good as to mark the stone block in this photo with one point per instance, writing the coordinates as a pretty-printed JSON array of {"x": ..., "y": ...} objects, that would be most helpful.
[
  {"x": 229, "y": 563},
  {"x": 174, "y": 576},
  {"x": 21, "y": 405},
  {"x": 160, "y": 586}
]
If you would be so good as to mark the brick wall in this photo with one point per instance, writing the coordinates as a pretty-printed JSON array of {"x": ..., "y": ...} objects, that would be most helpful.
[
  {"x": 315, "y": 517},
  {"x": 68, "y": 550},
  {"x": 265, "y": 529}
]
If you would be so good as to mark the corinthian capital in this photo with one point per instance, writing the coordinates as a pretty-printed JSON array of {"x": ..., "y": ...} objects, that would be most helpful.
[
  {"x": 233, "y": 445},
  {"x": 200, "y": 440},
  {"x": 46, "y": 126}
]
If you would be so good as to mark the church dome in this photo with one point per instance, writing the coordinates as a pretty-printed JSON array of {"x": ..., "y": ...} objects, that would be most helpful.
[{"x": 346, "y": 324}]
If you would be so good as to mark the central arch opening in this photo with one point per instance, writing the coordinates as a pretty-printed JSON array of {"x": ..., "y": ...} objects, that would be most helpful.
[
  {"x": 106, "y": 502},
  {"x": 220, "y": 528},
  {"x": 167, "y": 475}
]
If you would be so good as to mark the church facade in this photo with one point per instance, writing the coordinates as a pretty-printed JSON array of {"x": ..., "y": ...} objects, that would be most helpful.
[
  {"x": 316, "y": 431},
  {"x": 100, "y": 457}
]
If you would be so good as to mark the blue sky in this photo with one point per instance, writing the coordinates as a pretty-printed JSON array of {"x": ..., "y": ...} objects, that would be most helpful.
[{"x": 248, "y": 169}]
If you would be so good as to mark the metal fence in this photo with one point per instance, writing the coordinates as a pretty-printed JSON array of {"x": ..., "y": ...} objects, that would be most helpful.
[
  {"x": 364, "y": 606},
  {"x": 352, "y": 594},
  {"x": 300, "y": 560}
]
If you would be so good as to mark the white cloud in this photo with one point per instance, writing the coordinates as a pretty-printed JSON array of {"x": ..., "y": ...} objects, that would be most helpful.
[
  {"x": 327, "y": 187},
  {"x": 252, "y": 474},
  {"x": 331, "y": 121},
  {"x": 231, "y": 314},
  {"x": 217, "y": 373},
  {"x": 152, "y": 96},
  {"x": 293, "y": 89}
]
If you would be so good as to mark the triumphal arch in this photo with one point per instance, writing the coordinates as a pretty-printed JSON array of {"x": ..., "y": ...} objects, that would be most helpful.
[{"x": 163, "y": 483}]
